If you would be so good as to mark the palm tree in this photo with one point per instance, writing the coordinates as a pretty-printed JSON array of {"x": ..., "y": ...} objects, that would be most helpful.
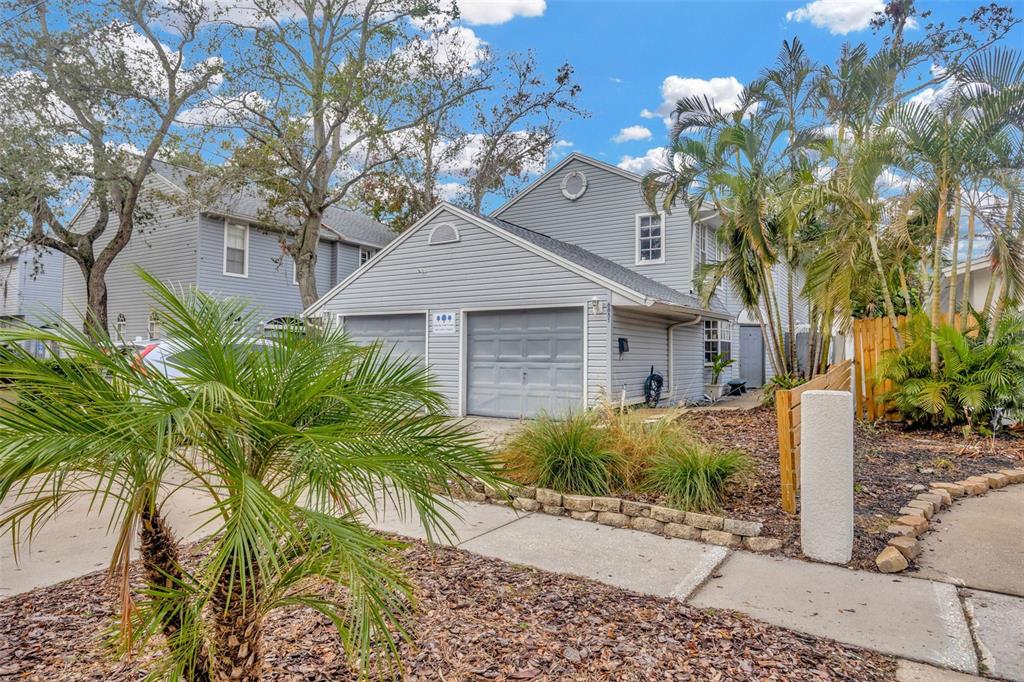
[{"x": 293, "y": 440}]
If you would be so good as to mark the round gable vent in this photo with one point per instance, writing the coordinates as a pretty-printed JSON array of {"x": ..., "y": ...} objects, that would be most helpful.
[{"x": 574, "y": 184}]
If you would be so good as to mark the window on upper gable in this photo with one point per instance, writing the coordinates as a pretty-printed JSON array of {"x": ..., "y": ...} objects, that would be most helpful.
[
  {"x": 236, "y": 250},
  {"x": 365, "y": 255},
  {"x": 650, "y": 238},
  {"x": 705, "y": 248}
]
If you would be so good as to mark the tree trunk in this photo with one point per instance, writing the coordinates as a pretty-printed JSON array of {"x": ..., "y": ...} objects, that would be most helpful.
[
  {"x": 95, "y": 322},
  {"x": 890, "y": 309},
  {"x": 791, "y": 319},
  {"x": 940, "y": 234},
  {"x": 965, "y": 304},
  {"x": 305, "y": 258},
  {"x": 951, "y": 307},
  {"x": 776, "y": 318},
  {"x": 237, "y": 628},
  {"x": 905, "y": 289},
  {"x": 158, "y": 550}
]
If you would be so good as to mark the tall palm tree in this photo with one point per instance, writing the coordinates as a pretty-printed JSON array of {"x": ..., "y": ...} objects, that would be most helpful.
[{"x": 293, "y": 440}]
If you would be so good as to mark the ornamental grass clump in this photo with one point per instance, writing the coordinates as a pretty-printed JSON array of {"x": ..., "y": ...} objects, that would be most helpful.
[
  {"x": 694, "y": 475},
  {"x": 571, "y": 455}
]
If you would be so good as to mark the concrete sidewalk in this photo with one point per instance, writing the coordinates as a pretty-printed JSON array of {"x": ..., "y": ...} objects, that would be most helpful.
[{"x": 910, "y": 618}]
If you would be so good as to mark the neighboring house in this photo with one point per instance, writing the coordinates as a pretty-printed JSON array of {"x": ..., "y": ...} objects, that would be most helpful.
[
  {"x": 569, "y": 293},
  {"x": 981, "y": 276},
  {"x": 222, "y": 249},
  {"x": 30, "y": 285}
]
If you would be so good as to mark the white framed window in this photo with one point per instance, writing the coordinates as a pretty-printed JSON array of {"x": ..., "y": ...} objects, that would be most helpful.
[
  {"x": 650, "y": 238},
  {"x": 121, "y": 326},
  {"x": 153, "y": 325},
  {"x": 295, "y": 273},
  {"x": 444, "y": 233},
  {"x": 717, "y": 339},
  {"x": 365, "y": 255},
  {"x": 236, "y": 250},
  {"x": 705, "y": 248}
]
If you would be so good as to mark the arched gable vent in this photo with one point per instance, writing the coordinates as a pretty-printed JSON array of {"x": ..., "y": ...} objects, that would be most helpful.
[{"x": 443, "y": 234}]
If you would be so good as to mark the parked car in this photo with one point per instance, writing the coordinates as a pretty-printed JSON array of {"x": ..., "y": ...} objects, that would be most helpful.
[{"x": 167, "y": 358}]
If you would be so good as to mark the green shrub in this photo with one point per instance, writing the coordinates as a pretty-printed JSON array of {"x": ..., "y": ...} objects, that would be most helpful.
[
  {"x": 976, "y": 379},
  {"x": 694, "y": 475},
  {"x": 571, "y": 455},
  {"x": 783, "y": 382}
]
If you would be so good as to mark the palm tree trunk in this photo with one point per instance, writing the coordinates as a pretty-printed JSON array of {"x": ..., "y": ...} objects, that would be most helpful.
[
  {"x": 890, "y": 309},
  {"x": 951, "y": 307},
  {"x": 997, "y": 313},
  {"x": 776, "y": 318},
  {"x": 237, "y": 627},
  {"x": 940, "y": 234},
  {"x": 791, "y": 318},
  {"x": 161, "y": 563},
  {"x": 966, "y": 298},
  {"x": 905, "y": 289}
]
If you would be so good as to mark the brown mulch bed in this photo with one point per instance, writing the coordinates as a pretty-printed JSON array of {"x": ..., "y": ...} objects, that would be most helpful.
[
  {"x": 477, "y": 619},
  {"x": 889, "y": 460}
]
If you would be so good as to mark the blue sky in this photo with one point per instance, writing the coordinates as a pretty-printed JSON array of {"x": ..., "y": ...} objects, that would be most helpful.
[{"x": 632, "y": 57}]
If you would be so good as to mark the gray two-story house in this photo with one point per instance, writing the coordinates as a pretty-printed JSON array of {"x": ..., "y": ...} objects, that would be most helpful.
[
  {"x": 30, "y": 285},
  {"x": 570, "y": 293},
  {"x": 225, "y": 249}
]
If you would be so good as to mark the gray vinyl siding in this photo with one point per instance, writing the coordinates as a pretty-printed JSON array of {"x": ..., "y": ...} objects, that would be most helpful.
[
  {"x": 603, "y": 221},
  {"x": 165, "y": 246},
  {"x": 481, "y": 271},
  {"x": 41, "y": 275},
  {"x": 269, "y": 286},
  {"x": 10, "y": 286},
  {"x": 648, "y": 345},
  {"x": 347, "y": 261},
  {"x": 688, "y": 362}
]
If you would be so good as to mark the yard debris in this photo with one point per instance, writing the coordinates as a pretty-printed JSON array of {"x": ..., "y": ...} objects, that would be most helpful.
[{"x": 477, "y": 618}]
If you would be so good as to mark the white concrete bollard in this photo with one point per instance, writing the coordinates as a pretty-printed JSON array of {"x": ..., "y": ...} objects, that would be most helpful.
[{"x": 826, "y": 475}]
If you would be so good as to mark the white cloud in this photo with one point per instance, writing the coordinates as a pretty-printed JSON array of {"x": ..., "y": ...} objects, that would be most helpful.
[
  {"x": 563, "y": 143},
  {"x": 498, "y": 11},
  {"x": 632, "y": 133},
  {"x": 221, "y": 111},
  {"x": 450, "y": 191},
  {"x": 616, "y": 80},
  {"x": 641, "y": 164},
  {"x": 724, "y": 91},
  {"x": 934, "y": 97},
  {"x": 891, "y": 182},
  {"x": 838, "y": 16}
]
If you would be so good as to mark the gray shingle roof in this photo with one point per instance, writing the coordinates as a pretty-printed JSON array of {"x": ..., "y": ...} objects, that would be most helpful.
[
  {"x": 605, "y": 268},
  {"x": 343, "y": 223}
]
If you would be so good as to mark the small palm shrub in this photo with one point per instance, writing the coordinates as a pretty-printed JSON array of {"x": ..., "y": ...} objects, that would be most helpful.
[
  {"x": 778, "y": 382},
  {"x": 976, "y": 380},
  {"x": 693, "y": 476},
  {"x": 571, "y": 455}
]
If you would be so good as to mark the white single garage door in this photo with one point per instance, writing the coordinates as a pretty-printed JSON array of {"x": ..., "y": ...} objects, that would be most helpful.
[
  {"x": 405, "y": 333},
  {"x": 524, "y": 362}
]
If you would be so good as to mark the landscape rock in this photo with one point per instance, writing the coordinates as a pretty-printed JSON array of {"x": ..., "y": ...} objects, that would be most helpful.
[
  {"x": 1015, "y": 475},
  {"x": 973, "y": 487},
  {"x": 705, "y": 521},
  {"x": 891, "y": 560},
  {"x": 900, "y": 529},
  {"x": 947, "y": 499},
  {"x": 720, "y": 537},
  {"x": 926, "y": 507},
  {"x": 684, "y": 532},
  {"x": 908, "y": 547},
  {"x": 917, "y": 488},
  {"x": 996, "y": 480},
  {"x": 647, "y": 525},
  {"x": 954, "y": 489},
  {"x": 744, "y": 528},
  {"x": 527, "y": 491},
  {"x": 938, "y": 500},
  {"x": 915, "y": 511},
  {"x": 584, "y": 515},
  {"x": 549, "y": 498},
  {"x": 916, "y": 523},
  {"x": 577, "y": 502},
  {"x": 630, "y": 508},
  {"x": 668, "y": 515},
  {"x": 762, "y": 544},
  {"x": 475, "y": 496},
  {"x": 526, "y": 504},
  {"x": 980, "y": 480},
  {"x": 606, "y": 504},
  {"x": 613, "y": 519},
  {"x": 553, "y": 509}
]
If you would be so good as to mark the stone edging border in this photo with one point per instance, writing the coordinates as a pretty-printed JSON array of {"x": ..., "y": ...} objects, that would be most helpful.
[
  {"x": 614, "y": 511},
  {"x": 915, "y": 515}
]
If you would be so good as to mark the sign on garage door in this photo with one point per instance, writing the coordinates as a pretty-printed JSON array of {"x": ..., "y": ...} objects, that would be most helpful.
[
  {"x": 524, "y": 362},
  {"x": 405, "y": 333}
]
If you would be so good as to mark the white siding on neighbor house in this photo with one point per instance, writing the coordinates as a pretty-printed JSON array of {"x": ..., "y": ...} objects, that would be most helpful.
[
  {"x": 603, "y": 221},
  {"x": 10, "y": 287},
  {"x": 648, "y": 345},
  {"x": 480, "y": 271},
  {"x": 269, "y": 286},
  {"x": 41, "y": 278},
  {"x": 346, "y": 262},
  {"x": 165, "y": 247}
]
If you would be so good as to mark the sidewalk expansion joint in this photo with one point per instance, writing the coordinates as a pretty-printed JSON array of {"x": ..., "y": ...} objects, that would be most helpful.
[{"x": 700, "y": 574}]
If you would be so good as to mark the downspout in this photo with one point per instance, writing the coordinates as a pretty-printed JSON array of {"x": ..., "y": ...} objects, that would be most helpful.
[{"x": 672, "y": 356}]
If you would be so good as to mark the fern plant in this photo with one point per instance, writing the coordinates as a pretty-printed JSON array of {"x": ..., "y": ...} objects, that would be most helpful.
[{"x": 976, "y": 381}]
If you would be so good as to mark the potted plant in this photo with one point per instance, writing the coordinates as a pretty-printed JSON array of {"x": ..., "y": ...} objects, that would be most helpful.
[{"x": 718, "y": 365}]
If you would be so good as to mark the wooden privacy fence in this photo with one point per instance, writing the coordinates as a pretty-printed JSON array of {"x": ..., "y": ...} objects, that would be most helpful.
[{"x": 787, "y": 409}]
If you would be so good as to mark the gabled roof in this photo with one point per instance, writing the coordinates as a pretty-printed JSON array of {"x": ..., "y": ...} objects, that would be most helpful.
[
  {"x": 247, "y": 204},
  {"x": 575, "y": 156},
  {"x": 621, "y": 280}
]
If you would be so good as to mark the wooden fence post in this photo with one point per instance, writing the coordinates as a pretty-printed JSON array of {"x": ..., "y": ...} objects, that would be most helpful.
[{"x": 787, "y": 459}]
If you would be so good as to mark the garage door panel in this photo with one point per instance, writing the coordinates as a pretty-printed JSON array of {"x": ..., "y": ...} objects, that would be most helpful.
[
  {"x": 523, "y": 362},
  {"x": 401, "y": 334}
]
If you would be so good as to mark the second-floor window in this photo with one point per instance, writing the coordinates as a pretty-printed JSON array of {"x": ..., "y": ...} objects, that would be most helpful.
[
  {"x": 236, "y": 250},
  {"x": 650, "y": 238},
  {"x": 705, "y": 245},
  {"x": 365, "y": 255}
]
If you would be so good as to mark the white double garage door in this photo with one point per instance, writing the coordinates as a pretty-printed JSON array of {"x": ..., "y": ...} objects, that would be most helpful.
[{"x": 516, "y": 363}]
